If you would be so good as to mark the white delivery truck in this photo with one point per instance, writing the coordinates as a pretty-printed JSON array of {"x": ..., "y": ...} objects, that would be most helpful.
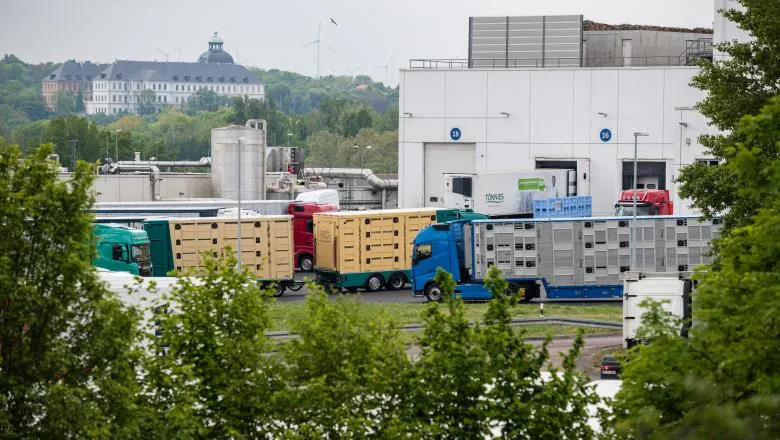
[
  {"x": 506, "y": 193},
  {"x": 672, "y": 290}
]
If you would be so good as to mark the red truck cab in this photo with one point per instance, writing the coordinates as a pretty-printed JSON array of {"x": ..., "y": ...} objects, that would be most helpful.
[
  {"x": 303, "y": 232},
  {"x": 648, "y": 202}
]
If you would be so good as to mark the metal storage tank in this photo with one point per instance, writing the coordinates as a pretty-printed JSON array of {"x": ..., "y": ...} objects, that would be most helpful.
[{"x": 224, "y": 160}]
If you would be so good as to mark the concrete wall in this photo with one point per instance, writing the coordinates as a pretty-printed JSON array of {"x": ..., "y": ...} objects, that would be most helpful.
[
  {"x": 555, "y": 114},
  {"x": 648, "y": 48},
  {"x": 138, "y": 188}
]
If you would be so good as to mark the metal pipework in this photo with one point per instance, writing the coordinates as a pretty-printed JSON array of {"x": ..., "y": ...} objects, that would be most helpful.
[
  {"x": 353, "y": 173},
  {"x": 153, "y": 171},
  {"x": 204, "y": 162}
]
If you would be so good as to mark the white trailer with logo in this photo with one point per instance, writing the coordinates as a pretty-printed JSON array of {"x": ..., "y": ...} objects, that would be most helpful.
[
  {"x": 672, "y": 290},
  {"x": 507, "y": 193}
]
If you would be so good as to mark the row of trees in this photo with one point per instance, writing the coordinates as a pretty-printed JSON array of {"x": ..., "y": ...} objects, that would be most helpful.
[{"x": 327, "y": 134}]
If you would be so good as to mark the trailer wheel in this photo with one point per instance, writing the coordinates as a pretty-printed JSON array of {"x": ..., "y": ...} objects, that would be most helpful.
[
  {"x": 295, "y": 286},
  {"x": 278, "y": 289},
  {"x": 374, "y": 282},
  {"x": 511, "y": 290},
  {"x": 397, "y": 281},
  {"x": 306, "y": 263},
  {"x": 433, "y": 292}
]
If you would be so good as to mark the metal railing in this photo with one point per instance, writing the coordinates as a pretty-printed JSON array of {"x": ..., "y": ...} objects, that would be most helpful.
[{"x": 685, "y": 59}]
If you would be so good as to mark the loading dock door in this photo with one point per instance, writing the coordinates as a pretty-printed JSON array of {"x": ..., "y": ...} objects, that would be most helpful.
[{"x": 444, "y": 158}]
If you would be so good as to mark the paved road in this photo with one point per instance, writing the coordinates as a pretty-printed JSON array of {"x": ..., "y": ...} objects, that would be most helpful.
[{"x": 117, "y": 280}]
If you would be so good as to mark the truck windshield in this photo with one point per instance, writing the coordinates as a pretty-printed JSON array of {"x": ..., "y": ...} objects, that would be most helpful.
[
  {"x": 628, "y": 210},
  {"x": 141, "y": 252},
  {"x": 421, "y": 252}
]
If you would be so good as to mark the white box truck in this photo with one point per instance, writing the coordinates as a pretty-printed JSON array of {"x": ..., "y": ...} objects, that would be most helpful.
[
  {"x": 507, "y": 193},
  {"x": 672, "y": 290}
]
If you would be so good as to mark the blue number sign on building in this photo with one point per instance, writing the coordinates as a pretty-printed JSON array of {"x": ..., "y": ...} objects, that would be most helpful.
[
  {"x": 605, "y": 135},
  {"x": 455, "y": 133}
]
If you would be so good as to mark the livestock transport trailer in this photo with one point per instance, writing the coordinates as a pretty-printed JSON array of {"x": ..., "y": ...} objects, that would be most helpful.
[
  {"x": 367, "y": 249},
  {"x": 558, "y": 259},
  {"x": 178, "y": 244}
]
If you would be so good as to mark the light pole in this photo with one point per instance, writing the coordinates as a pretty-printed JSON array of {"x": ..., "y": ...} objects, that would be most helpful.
[
  {"x": 238, "y": 199},
  {"x": 116, "y": 144},
  {"x": 633, "y": 222},
  {"x": 289, "y": 135},
  {"x": 367, "y": 147}
]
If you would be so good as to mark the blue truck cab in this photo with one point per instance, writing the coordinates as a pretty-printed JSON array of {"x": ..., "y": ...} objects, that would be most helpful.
[{"x": 449, "y": 246}]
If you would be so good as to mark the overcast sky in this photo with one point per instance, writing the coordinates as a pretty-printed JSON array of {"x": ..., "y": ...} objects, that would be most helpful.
[{"x": 270, "y": 34}]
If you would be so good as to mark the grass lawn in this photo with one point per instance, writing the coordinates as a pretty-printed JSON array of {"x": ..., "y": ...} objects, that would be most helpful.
[{"x": 282, "y": 314}]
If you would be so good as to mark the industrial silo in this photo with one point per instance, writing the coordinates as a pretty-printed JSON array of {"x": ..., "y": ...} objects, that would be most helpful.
[{"x": 225, "y": 159}]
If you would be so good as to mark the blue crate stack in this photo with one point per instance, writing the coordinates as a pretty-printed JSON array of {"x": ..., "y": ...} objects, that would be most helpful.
[{"x": 564, "y": 207}]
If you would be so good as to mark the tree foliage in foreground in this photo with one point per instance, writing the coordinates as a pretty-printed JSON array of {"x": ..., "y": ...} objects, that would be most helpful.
[
  {"x": 66, "y": 345},
  {"x": 724, "y": 381}
]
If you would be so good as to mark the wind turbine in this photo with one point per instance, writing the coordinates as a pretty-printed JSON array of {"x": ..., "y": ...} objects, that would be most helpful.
[
  {"x": 166, "y": 55},
  {"x": 386, "y": 66},
  {"x": 319, "y": 42}
]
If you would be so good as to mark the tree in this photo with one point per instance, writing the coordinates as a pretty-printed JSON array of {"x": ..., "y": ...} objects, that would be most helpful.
[
  {"x": 65, "y": 102},
  {"x": 723, "y": 381},
  {"x": 215, "y": 380},
  {"x": 480, "y": 380},
  {"x": 65, "y": 342},
  {"x": 344, "y": 375},
  {"x": 146, "y": 102},
  {"x": 739, "y": 85}
]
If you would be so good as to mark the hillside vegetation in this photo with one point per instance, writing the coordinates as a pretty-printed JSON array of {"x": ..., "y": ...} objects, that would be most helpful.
[{"x": 326, "y": 116}]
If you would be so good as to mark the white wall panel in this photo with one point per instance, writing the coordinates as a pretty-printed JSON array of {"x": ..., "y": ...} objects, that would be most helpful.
[
  {"x": 424, "y": 93},
  {"x": 466, "y": 94},
  {"x": 604, "y": 99},
  {"x": 641, "y": 104},
  {"x": 581, "y": 106},
  {"x": 508, "y": 91},
  {"x": 551, "y": 106}
]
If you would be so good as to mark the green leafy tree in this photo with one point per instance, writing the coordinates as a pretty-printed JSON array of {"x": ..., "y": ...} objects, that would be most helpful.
[
  {"x": 215, "y": 380},
  {"x": 739, "y": 85},
  {"x": 65, "y": 102},
  {"x": 344, "y": 375},
  {"x": 473, "y": 381},
  {"x": 723, "y": 381},
  {"x": 67, "y": 362},
  {"x": 146, "y": 102}
]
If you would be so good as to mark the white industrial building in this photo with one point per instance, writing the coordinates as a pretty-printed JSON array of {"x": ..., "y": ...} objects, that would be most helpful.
[{"x": 465, "y": 118}]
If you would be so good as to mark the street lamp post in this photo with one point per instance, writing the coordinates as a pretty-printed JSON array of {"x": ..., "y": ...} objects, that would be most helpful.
[
  {"x": 633, "y": 222},
  {"x": 367, "y": 147},
  {"x": 116, "y": 144},
  {"x": 238, "y": 199}
]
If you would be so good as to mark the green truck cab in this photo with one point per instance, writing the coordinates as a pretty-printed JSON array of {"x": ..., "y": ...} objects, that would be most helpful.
[{"x": 122, "y": 249}]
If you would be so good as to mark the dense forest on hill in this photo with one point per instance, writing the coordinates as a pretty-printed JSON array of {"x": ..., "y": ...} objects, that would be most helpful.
[{"x": 326, "y": 116}]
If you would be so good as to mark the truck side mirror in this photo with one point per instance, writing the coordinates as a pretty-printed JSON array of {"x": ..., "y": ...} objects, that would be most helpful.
[{"x": 116, "y": 252}]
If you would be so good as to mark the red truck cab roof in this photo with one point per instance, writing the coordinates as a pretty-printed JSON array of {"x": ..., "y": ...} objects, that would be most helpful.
[
  {"x": 644, "y": 196},
  {"x": 307, "y": 209}
]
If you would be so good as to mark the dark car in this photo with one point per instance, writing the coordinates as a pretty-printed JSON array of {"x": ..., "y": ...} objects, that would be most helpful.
[{"x": 610, "y": 368}]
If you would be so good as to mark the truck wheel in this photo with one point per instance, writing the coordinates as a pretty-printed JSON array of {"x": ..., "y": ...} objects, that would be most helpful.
[
  {"x": 295, "y": 286},
  {"x": 511, "y": 290},
  {"x": 374, "y": 282},
  {"x": 278, "y": 289},
  {"x": 397, "y": 281},
  {"x": 306, "y": 263},
  {"x": 433, "y": 292}
]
